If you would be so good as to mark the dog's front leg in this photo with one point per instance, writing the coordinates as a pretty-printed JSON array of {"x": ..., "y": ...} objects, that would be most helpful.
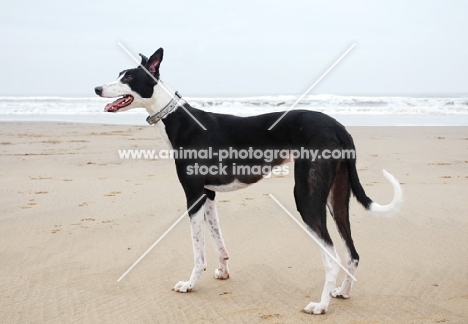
[
  {"x": 222, "y": 272},
  {"x": 197, "y": 222}
]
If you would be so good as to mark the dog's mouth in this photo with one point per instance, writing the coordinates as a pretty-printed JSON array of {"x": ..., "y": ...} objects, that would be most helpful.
[{"x": 120, "y": 103}]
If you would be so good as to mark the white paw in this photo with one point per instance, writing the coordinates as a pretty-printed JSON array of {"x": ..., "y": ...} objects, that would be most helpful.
[
  {"x": 315, "y": 308},
  {"x": 183, "y": 287},
  {"x": 338, "y": 293},
  {"x": 221, "y": 274}
]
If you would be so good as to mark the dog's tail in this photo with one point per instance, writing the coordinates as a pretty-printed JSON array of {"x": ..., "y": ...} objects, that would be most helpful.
[
  {"x": 358, "y": 190},
  {"x": 361, "y": 196}
]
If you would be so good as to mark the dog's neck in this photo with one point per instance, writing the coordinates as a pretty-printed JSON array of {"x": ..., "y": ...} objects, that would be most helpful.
[{"x": 162, "y": 95}]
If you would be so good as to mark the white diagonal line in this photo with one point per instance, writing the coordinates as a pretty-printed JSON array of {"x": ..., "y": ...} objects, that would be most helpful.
[
  {"x": 160, "y": 83},
  {"x": 314, "y": 238},
  {"x": 193, "y": 117},
  {"x": 159, "y": 239},
  {"x": 312, "y": 86}
]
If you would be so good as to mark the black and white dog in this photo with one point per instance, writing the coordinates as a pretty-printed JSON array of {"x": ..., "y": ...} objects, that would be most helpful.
[{"x": 318, "y": 184}]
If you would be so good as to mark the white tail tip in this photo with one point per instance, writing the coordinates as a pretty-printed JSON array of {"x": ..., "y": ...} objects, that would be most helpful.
[{"x": 397, "y": 201}]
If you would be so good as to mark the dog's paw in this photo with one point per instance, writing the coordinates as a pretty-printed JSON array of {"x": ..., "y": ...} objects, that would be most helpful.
[
  {"x": 221, "y": 274},
  {"x": 315, "y": 308},
  {"x": 183, "y": 287},
  {"x": 339, "y": 293}
]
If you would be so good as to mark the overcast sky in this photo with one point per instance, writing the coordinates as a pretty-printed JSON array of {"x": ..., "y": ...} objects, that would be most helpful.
[{"x": 219, "y": 48}]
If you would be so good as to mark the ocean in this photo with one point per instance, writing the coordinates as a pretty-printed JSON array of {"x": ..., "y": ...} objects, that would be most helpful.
[{"x": 349, "y": 110}]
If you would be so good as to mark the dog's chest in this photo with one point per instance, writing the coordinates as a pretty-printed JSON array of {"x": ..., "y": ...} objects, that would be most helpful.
[
  {"x": 235, "y": 185},
  {"x": 162, "y": 131}
]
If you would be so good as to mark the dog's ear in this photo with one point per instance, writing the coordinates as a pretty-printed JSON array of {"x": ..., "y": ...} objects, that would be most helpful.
[
  {"x": 144, "y": 60},
  {"x": 154, "y": 61}
]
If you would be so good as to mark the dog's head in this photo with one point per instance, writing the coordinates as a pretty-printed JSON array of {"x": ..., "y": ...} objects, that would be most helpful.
[{"x": 134, "y": 87}]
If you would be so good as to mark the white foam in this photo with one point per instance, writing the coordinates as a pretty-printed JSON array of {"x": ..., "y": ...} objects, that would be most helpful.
[{"x": 350, "y": 110}]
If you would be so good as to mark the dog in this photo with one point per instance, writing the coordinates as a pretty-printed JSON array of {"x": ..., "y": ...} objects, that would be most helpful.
[{"x": 319, "y": 184}]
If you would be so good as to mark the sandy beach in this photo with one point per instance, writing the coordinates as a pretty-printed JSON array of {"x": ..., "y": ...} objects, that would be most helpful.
[{"x": 74, "y": 217}]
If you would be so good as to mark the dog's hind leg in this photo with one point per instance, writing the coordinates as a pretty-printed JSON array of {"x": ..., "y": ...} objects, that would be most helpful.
[
  {"x": 313, "y": 183},
  {"x": 338, "y": 203},
  {"x": 331, "y": 272},
  {"x": 198, "y": 241},
  {"x": 212, "y": 220}
]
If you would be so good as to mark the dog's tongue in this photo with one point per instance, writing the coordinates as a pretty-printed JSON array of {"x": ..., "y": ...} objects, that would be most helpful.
[{"x": 116, "y": 105}]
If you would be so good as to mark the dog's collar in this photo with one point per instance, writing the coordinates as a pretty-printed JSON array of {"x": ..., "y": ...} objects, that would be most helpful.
[{"x": 153, "y": 119}]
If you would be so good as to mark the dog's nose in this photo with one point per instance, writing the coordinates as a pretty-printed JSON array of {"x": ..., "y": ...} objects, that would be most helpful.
[{"x": 98, "y": 90}]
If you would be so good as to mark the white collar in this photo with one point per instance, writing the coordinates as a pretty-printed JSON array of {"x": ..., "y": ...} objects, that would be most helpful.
[{"x": 153, "y": 119}]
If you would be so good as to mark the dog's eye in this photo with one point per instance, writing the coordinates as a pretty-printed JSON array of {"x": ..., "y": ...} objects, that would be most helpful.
[{"x": 127, "y": 78}]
